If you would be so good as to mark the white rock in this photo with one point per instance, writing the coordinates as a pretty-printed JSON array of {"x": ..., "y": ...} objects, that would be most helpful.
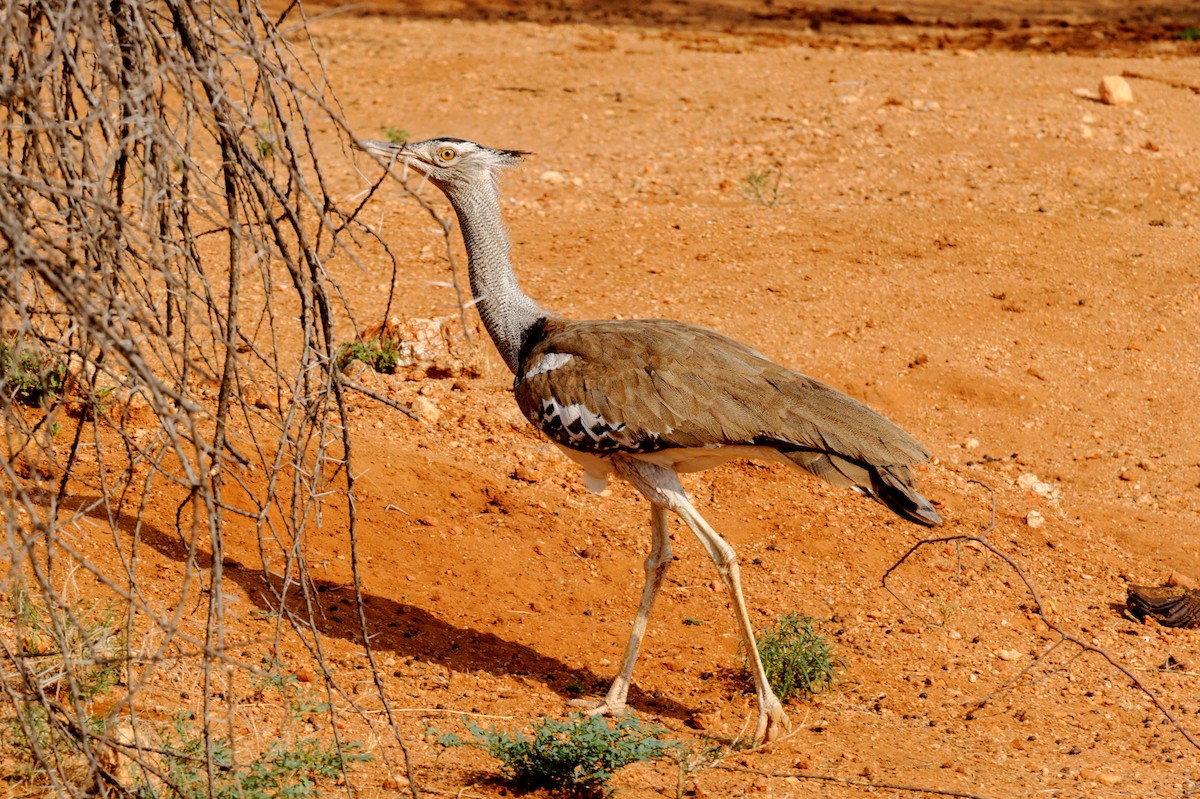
[
  {"x": 553, "y": 178},
  {"x": 426, "y": 409},
  {"x": 1115, "y": 90},
  {"x": 1031, "y": 482},
  {"x": 1009, "y": 654},
  {"x": 972, "y": 443},
  {"x": 435, "y": 347},
  {"x": 1035, "y": 519}
]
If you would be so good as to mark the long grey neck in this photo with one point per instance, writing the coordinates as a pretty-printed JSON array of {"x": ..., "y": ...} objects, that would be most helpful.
[{"x": 507, "y": 313}]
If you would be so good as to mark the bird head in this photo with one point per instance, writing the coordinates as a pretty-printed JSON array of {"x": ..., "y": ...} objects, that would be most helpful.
[{"x": 448, "y": 162}]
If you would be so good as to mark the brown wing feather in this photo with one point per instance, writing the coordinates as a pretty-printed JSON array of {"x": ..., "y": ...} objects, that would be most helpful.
[{"x": 669, "y": 384}]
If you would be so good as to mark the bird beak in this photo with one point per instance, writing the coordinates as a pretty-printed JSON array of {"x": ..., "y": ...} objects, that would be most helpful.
[{"x": 392, "y": 153}]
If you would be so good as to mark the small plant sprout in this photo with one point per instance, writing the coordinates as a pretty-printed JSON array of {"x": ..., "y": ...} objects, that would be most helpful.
[
  {"x": 381, "y": 354},
  {"x": 766, "y": 187},
  {"x": 396, "y": 135},
  {"x": 28, "y": 376},
  {"x": 576, "y": 757},
  {"x": 265, "y": 143},
  {"x": 797, "y": 657}
]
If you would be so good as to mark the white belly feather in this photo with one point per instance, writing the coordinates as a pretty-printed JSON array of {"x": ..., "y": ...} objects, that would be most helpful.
[{"x": 597, "y": 468}]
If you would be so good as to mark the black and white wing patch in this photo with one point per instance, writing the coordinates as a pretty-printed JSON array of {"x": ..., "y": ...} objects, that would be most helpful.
[
  {"x": 576, "y": 426},
  {"x": 576, "y": 402}
]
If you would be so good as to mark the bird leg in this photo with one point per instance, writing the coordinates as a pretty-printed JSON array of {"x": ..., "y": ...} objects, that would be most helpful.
[
  {"x": 656, "y": 569},
  {"x": 662, "y": 487}
]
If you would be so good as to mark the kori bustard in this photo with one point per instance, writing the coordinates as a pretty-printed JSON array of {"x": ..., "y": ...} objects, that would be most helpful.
[{"x": 649, "y": 398}]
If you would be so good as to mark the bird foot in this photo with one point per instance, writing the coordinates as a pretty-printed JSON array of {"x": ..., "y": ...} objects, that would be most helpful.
[
  {"x": 772, "y": 721},
  {"x": 598, "y": 707}
]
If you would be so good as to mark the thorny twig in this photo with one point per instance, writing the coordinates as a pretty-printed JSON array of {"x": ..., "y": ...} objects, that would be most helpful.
[
  {"x": 1040, "y": 610},
  {"x": 168, "y": 243}
]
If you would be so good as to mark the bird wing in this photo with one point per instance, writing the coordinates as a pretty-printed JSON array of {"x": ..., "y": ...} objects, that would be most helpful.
[{"x": 645, "y": 385}]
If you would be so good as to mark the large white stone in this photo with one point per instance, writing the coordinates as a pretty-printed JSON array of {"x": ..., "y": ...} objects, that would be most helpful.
[{"x": 1115, "y": 90}]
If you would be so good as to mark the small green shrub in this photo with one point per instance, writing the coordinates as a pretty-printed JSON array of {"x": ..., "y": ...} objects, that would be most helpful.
[
  {"x": 797, "y": 657},
  {"x": 576, "y": 757},
  {"x": 1189, "y": 34},
  {"x": 765, "y": 188},
  {"x": 73, "y": 656},
  {"x": 30, "y": 377},
  {"x": 283, "y": 770},
  {"x": 288, "y": 768},
  {"x": 396, "y": 135},
  {"x": 381, "y": 354},
  {"x": 265, "y": 141}
]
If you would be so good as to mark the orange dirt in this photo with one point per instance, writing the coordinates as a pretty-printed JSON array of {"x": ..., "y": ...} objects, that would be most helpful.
[{"x": 1007, "y": 269}]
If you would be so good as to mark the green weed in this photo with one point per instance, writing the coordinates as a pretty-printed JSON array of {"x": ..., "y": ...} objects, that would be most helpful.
[
  {"x": 381, "y": 354},
  {"x": 1189, "y": 34},
  {"x": 576, "y": 757},
  {"x": 66, "y": 657},
  {"x": 29, "y": 377},
  {"x": 797, "y": 657},
  {"x": 289, "y": 767},
  {"x": 265, "y": 141},
  {"x": 283, "y": 770},
  {"x": 765, "y": 188},
  {"x": 396, "y": 135}
]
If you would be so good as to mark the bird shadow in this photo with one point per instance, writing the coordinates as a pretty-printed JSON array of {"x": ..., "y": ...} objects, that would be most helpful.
[{"x": 400, "y": 629}]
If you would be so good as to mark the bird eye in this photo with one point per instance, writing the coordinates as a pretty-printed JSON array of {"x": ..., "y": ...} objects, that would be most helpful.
[{"x": 447, "y": 154}]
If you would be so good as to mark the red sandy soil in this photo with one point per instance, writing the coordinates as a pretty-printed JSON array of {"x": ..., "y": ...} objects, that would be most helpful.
[{"x": 1009, "y": 270}]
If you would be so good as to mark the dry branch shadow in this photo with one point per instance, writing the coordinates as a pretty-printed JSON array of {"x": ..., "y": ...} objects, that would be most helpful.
[{"x": 400, "y": 629}]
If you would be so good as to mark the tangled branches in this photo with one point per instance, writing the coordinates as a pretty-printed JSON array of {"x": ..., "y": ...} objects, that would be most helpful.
[{"x": 168, "y": 317}]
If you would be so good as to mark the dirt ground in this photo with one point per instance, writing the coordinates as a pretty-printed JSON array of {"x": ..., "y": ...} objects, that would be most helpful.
[{"x": 945, "y": 229}]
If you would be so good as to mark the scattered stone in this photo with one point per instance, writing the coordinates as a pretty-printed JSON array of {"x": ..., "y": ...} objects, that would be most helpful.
[
  {"x": 1009, "y": 654},
  {"x": 526, "y": 474},
  {"x": 972, "y": 443},
  {"x": 431, "y": 348},
  {"x": 1181, "y": 580},
  {"x": 358, "y": 372},
  {"x": 1035, "y": 519},
  {"x": 553, "y": 177},
  {"x": 1115, "y": 90},
  {"x": 426, "y": 409},
  {"x": 1031, "y": 482}
]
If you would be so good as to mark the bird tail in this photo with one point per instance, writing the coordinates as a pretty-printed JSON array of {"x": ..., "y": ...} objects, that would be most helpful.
[{"x": 892, "y": 486}]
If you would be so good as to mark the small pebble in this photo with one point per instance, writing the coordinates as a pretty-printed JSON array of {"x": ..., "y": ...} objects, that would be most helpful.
[
  {"x": 426, "y": 409},
  {"x": 1115, "y": 90}
]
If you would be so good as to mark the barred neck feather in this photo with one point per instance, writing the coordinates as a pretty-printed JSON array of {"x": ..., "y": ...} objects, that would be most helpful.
[{"x": 508, "y": 314}]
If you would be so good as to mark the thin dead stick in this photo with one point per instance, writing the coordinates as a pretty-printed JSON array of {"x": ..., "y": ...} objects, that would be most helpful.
[
  {"x": 137, "y": 282},
  {"x": 866, "y": 785},
  {"x": 1040, "y": 610},
  {"x": 448, "y": 711},
  {"x": 391, "y": 403}
]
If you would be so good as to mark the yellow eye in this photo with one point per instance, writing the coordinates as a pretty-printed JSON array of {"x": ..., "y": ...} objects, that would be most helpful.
[{"x": 447, "y": 154}]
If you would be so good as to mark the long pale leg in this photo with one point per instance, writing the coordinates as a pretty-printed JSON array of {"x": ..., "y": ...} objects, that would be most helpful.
[
  {"x": 662, "y": 487},
  {"x": 656, "y": 569}
]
